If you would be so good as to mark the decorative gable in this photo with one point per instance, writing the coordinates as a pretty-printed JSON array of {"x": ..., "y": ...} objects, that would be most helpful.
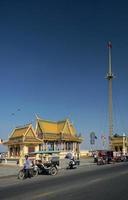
[
  {"x": 22, "y": 135},
  {"x": 30, "y": 134},
  {"x": 66, "y": 129},
  {"x": 18, "y": 132}
]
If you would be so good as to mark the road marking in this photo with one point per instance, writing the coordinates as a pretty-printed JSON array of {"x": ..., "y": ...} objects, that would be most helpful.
[{"x": 44, "y": 194}]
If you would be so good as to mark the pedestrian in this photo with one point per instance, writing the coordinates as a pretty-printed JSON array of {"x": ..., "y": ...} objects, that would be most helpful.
[{"x": 27, "y": 166}]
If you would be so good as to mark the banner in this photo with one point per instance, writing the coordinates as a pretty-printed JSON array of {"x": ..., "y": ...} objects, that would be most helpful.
[{"x": 92, "y": 138}]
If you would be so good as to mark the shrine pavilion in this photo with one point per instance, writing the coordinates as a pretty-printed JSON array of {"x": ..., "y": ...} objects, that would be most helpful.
[{"x": 47, "y": 136}]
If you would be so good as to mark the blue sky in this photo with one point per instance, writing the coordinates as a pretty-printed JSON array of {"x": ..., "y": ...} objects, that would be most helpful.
[{"x": 53, "y": 63}]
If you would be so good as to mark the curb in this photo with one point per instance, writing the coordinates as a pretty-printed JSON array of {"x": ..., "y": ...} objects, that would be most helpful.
[
  {"x": 15, "y": 175},
  {"x": 9, "y": 176}
]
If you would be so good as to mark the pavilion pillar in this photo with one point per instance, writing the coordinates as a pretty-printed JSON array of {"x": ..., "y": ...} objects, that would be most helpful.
[
  {"x": 54, "y": 145},
  {"x": 13, "y": 151},
  {"x": 62, "y": 146},
  {"x": 42, "y": 146},
  {"x": 21, "y": 159},
  {"x": 8, "y": 151},
  {"x": 46, "y": 146}
]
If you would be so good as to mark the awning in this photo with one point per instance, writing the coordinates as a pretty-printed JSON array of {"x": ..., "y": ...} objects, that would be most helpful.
[{"x": 44, "y": 152}]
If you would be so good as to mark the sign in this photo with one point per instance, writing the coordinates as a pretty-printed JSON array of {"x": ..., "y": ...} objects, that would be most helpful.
[{"x": 92, "y": 138}]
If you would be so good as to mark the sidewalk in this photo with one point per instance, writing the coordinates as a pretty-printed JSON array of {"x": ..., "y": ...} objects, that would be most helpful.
[
  {"x": 87, "y": 161},
  {"x": 7, "y": 170}
]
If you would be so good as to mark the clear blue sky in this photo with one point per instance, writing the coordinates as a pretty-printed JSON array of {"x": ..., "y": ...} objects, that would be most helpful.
[{"x": 54, "y": 59}]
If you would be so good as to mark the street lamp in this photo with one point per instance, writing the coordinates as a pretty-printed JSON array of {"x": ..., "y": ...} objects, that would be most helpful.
[{"x": 124, "y": 150}]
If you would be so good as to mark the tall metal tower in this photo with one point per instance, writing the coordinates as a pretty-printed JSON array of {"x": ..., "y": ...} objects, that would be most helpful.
[{"x": 110, "y": 77}]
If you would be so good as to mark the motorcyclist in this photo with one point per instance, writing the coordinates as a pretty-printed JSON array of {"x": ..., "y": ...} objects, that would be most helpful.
[
  {"x": 95, "y": 158},
  {"x": 27, "y": 166}
]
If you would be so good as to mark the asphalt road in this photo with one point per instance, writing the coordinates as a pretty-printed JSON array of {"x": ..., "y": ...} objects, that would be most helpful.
[{"x": 108, "y": 182}]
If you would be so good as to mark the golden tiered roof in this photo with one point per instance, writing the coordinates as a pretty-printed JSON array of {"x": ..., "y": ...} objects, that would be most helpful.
[
  {"x": 50, "y": 126},
  {"x": 45, "y": 131},
  {"x": 19, "y": 132},
  {"x": 24, "y": 134},
  {"x": 60, "y": 130}
]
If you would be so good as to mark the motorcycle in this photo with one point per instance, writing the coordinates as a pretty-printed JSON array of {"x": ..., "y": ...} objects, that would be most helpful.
[
  {"x": 47, "y": 168},
  {"x": 73, "y": 164},
  {"x": 33, "y": 171},
  {"x": 101, "y": 161}
]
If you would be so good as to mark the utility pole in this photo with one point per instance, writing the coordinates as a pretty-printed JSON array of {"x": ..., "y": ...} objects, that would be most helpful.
[{"x": 110, "y": 77}]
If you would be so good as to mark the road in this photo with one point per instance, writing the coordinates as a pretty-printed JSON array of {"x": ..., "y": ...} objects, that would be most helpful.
[{"x": 90, "y": 183}]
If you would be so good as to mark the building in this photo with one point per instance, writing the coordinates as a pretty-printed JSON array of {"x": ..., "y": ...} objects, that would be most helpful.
[
  {"x": 119, "y": 143},
  {"x": 47, "y": 136},
  {"x": 85, "y": 153},
  {"x": 22, "y": 140}
]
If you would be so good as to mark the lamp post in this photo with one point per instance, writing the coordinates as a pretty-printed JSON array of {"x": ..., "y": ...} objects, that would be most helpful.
[
  {"x": 110, "y": 77},
  {"x": 124, "y": 149}
]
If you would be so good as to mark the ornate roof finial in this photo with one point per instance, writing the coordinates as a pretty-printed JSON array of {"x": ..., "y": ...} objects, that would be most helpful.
[{"x": 37, "y": 116}]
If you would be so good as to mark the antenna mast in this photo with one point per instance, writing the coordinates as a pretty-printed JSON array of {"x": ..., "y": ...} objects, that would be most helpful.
[{"x": 110, "y": 77}]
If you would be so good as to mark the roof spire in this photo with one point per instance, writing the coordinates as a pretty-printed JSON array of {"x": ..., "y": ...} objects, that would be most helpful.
[{"x": 36, "y": 116}]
